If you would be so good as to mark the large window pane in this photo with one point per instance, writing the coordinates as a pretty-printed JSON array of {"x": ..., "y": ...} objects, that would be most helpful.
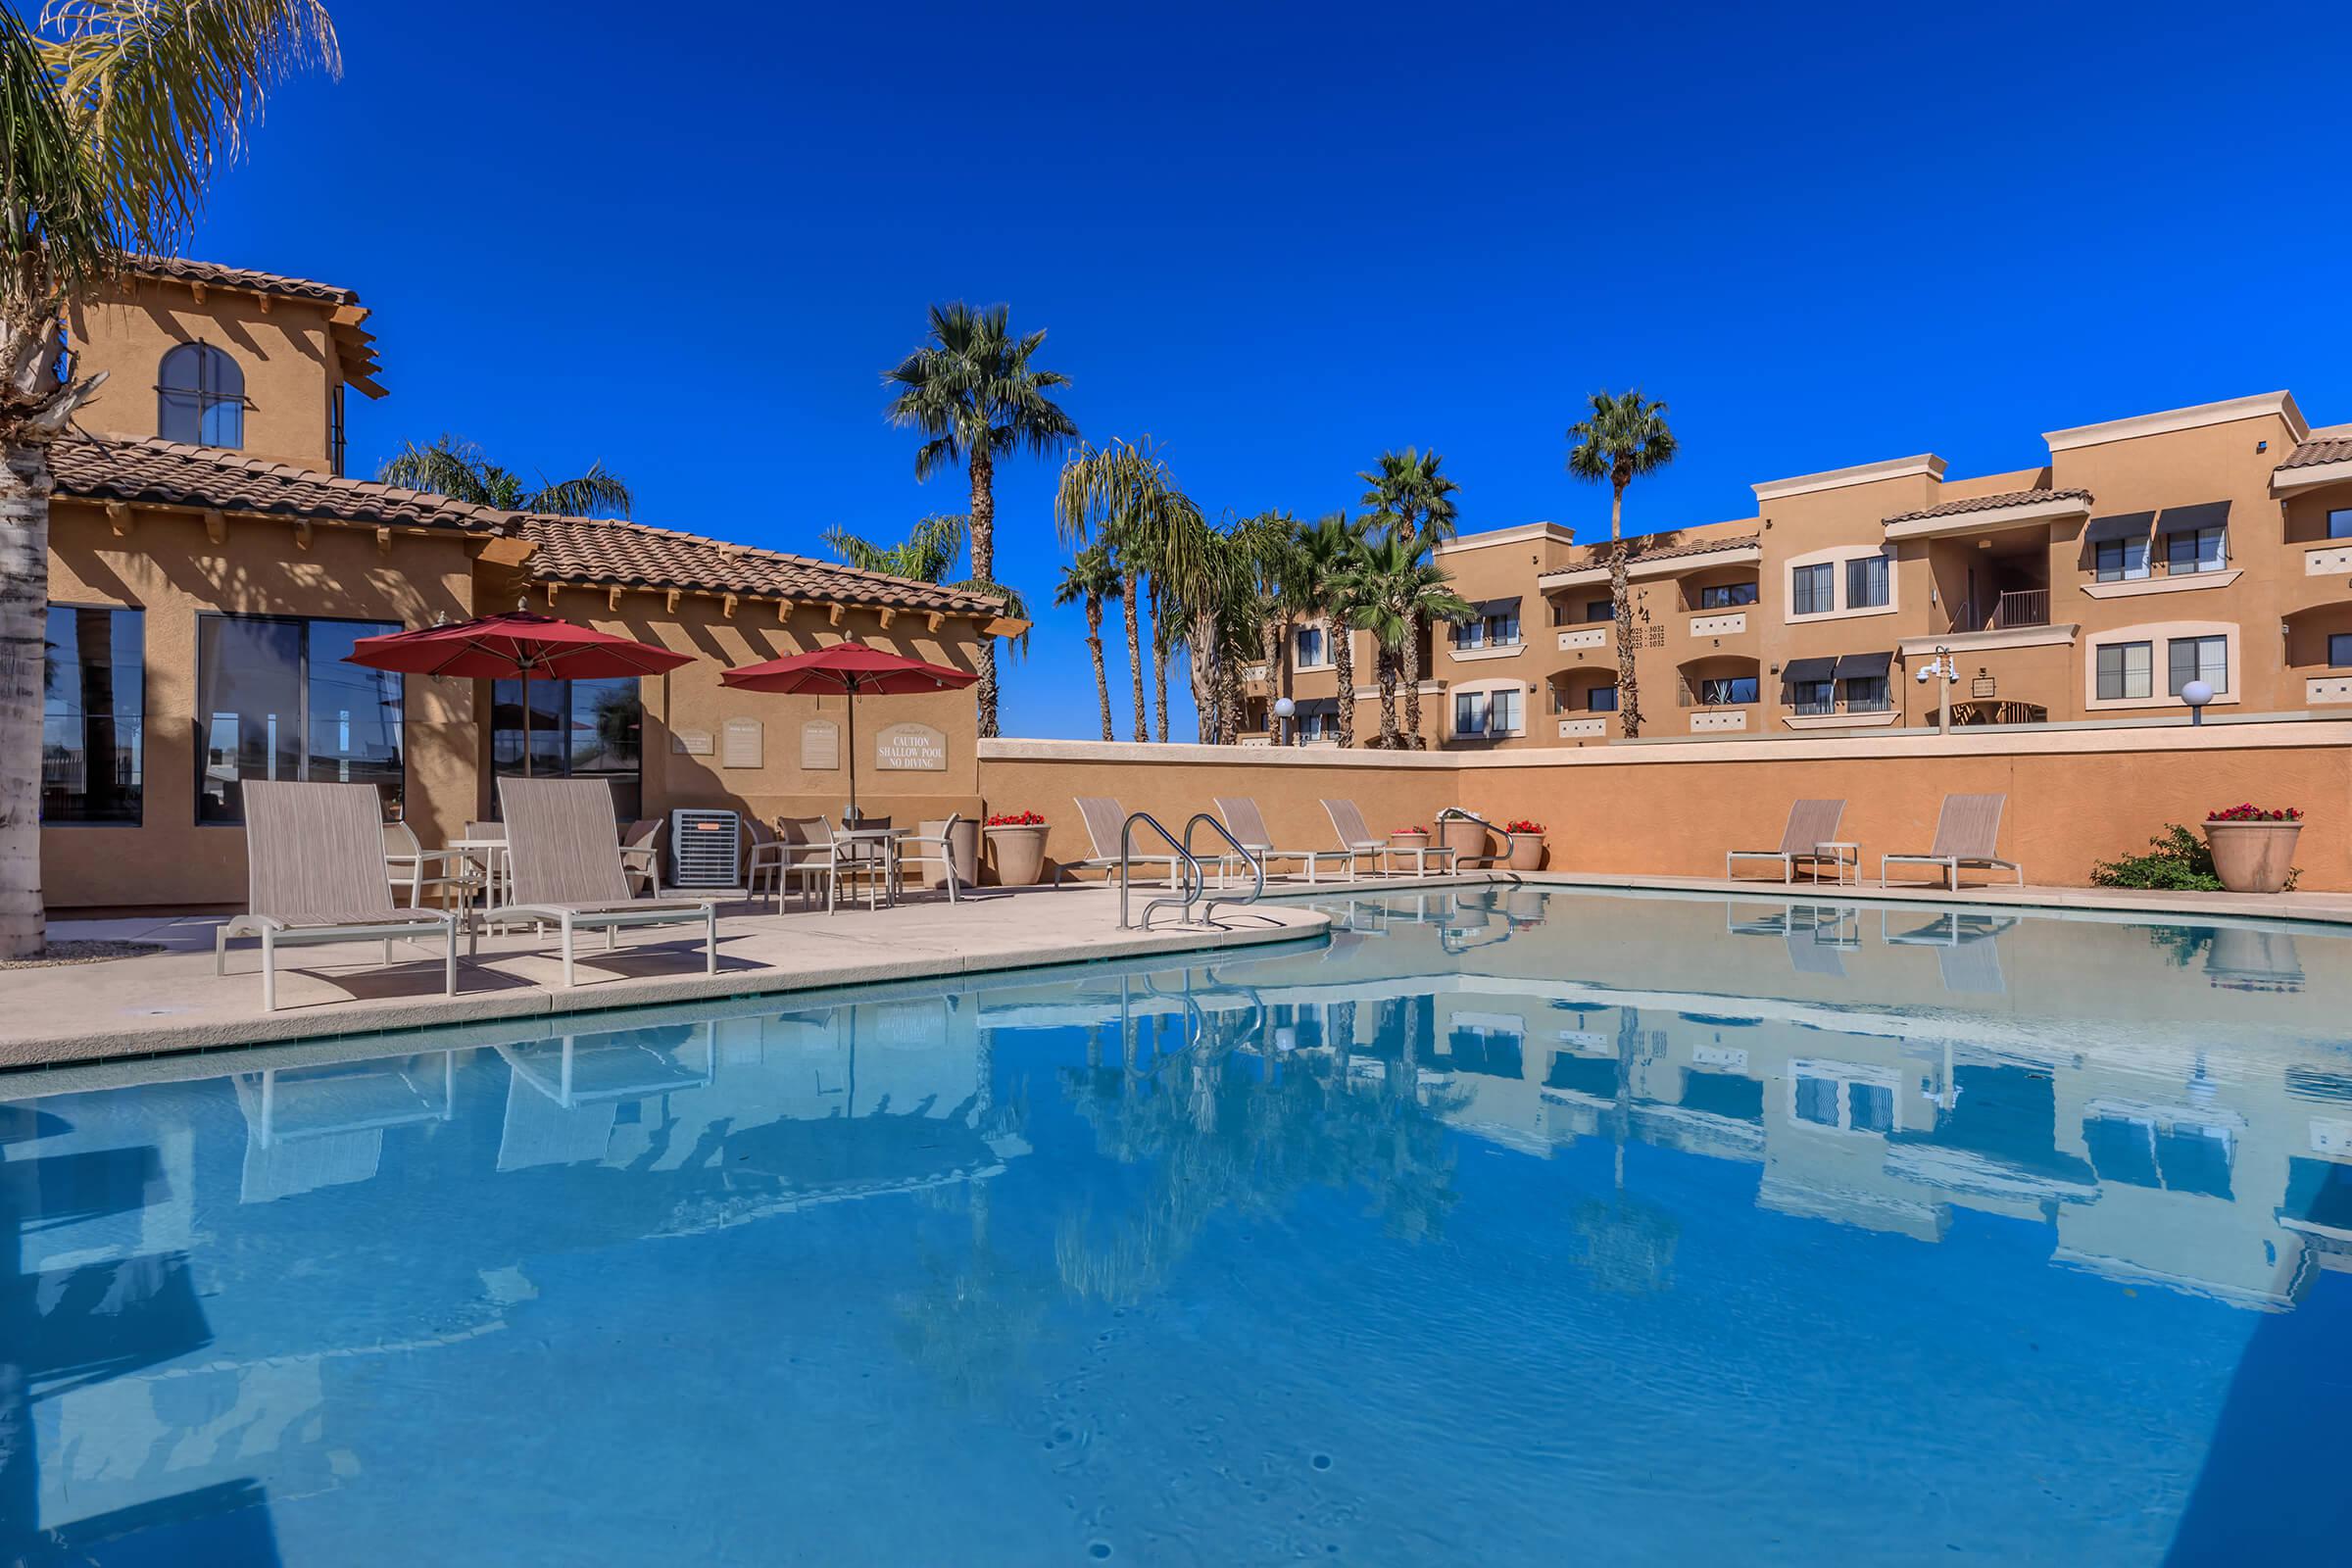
[
  {"x": 1601, "y": 700},
  {"x": 93, "y": 701},
  {"x": 1867, "y": 694},
  {"x": 579, "y": 729},
  {"x": 2121, "y": 560},
  {"x": 2125, "y": 670},
  {"x": 274, "y": 701},
  {"x": 2205, "y": 659},
  {"x": 1866, "y": 586},
  {"x": 2194, "y": 550},
  {"x": 2339, "y": 524},
  {"x": 1727, "y": 596},
  {"x": 1812, "y": 590}
]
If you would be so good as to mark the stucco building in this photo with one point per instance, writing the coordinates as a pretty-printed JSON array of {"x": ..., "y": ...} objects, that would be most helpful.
[
  {"x": 2209, "y": 543},
  {"x": 210, "y": 564}
]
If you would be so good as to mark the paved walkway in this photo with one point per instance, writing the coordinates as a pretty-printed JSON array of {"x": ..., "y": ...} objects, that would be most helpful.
[{"x": 174, "y": 1002}]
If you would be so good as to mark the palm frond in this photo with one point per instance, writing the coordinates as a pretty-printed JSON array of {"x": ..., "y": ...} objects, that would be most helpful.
[{"x": 598, "y": 492}]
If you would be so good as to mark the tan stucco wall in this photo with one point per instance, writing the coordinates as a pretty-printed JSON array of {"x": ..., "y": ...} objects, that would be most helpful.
[
  {"x": 286, "y": 353},
  {"x": 167, "y": 565}
]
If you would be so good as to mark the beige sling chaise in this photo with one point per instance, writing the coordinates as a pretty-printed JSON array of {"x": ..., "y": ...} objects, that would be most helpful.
[
  {"x": 1105, "y": 822},
  {"x": 1968, "y": 832},
  {"x": 567, "y": 870},
  {"x": 1249, "y": 825},
  {"x": 1356, "y": 837},
  {"x": 1812, "y": 830},
  {"x": 315, "y": 872}
]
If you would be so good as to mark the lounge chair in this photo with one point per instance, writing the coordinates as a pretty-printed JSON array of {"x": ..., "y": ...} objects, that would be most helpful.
[
  {"x": 1249, "y": 825},
  {"x": 315, "y": 872},
  {"x": 1105, "y": 822},
  {"x": 1348, "y": 822},
  {"x": 1968, "y": 832},
  {"x": 567, "y": 870},
  {"x": 1812, "y": 829}
]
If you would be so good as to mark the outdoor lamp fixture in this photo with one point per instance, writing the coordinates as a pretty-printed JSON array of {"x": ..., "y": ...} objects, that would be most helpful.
[
  {"x": 1284, "y": 708},
  {"x": 1941, "y": 664},
  {"x": 2196, "y": 694}
]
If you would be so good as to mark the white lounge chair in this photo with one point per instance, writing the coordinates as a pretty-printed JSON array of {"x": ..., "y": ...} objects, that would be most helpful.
[
  {"x": 1249, "y": 825},
  {"x": 1105, "y": 822},
  {"x": 1968, "y": 832},
  {"x": 1348, "y": 822},
  {"x": 315, "y": 872},
  {"x": 1812, "y": 829},
  {"x": 568, "y": 869}
]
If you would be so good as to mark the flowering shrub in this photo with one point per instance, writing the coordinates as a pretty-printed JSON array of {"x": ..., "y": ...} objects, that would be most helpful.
[
  {"x": 1401, "y": 832},
  {"x": 1017, "y": 820},
  {"x": 2248, "y": 811},
  {"x": 1520, "y": 824}
]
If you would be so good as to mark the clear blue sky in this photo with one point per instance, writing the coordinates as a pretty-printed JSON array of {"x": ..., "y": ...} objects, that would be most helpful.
[{"x": 688, "y": 241}]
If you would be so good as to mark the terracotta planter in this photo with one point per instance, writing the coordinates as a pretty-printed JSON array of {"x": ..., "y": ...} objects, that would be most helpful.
[
  {"x": 1467, "y": 840},
  {"x": 963, "y": 845},
  {"x": 1527, "y": 852},
  {"x": 1020, "y": 855},
  {"x": 1408, "y": 841},
  {"x": 2253, "y": 856}
]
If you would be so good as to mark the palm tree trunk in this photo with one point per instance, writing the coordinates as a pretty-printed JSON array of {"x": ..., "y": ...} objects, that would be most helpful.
[
  {"x": 1278, "y": 678},
  {"x": 984, "y": 567},
  {"x": 1388, "y": 698},
  {"x": 1094, "y": 646},
  {"x": 1413, "y": 682},
  {"x": 1343, "y": 659},
  {"x": 1229, "y": 706},
  {"x": 1204, "y": 676},
  {"x": 1161, "y": 647},
  {"x": 1629, "y": 691},
  {"x": 1133, "y": 593},
  {"x": 24, "y": 484}
]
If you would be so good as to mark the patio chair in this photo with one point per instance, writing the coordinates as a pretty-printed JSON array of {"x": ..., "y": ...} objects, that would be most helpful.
[
  {"x": 1812, "y": 829},
  {"x": 567, "y": 870},
  {"x": 1348, "y": 822},
  {"x": 1104, "y": 823},
  {"x": 942, "y": 852},
  {"x": 868, "y": 859},
  {"x": 641, "y": 854},
  {"x": 315, "y": 872},
  {"x": 1968, "y": 833},
  {"x": 800, "y": 850},
  {"x": 1249, "y": 825},
  {"x": 450, "y": 873}
]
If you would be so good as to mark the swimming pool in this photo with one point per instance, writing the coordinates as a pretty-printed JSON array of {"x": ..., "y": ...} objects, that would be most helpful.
[{"x": 1503, "y": 1226}]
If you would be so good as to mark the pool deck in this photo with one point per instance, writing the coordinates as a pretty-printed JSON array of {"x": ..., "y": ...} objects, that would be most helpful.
[
  {"x": 2324, "y": 908},
  {"x": 173, "y": 1000}
]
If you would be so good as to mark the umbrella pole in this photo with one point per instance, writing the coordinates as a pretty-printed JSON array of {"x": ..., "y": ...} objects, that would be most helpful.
[
  {"x": 849, "y": 700},
  {"x": 526, "y": 718}
]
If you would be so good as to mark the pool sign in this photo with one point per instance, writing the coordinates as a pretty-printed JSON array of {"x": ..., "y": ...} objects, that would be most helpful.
[{"x": 911, "y": 749}]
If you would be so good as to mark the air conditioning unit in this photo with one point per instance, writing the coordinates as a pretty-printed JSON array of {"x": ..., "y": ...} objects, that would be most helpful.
[{"x": 704, "y": 849}]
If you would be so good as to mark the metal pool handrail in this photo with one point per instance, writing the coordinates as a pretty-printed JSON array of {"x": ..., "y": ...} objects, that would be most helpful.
[
  {"x": 1257, "y": 866},
  {"x": 1508, "y": 838},
  {"x": 1188, "y": 876}
]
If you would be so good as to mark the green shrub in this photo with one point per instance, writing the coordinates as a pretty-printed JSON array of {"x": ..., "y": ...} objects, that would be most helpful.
[{"x": 2176, "y": 860}]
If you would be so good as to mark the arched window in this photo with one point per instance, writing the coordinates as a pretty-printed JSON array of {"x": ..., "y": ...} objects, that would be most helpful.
[{"x": 201, "y": 397}]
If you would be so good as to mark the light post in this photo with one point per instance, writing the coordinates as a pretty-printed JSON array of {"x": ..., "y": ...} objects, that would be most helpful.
[
  {"x": 2196, "y": 694},
  {"x": 1284, "y": 708},
  {"x": 1941, "y": 664}
]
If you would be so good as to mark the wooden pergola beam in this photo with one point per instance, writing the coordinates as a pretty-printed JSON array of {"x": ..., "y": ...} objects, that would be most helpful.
[{"x": 118, "y": 517}]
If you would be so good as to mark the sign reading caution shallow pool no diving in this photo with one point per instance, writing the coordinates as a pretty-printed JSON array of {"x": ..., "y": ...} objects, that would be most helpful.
[{"x": 911, "y": 749}]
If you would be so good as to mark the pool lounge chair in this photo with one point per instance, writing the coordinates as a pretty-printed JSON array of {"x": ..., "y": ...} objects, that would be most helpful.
[
  {"x": 1812, "y": 829},
  {"x": 1105, "y": 822},
  {"x": 1968, "y": 833},
  {"x": 1356, "y": 837},
  {"x": 315, "y": 872},
  {"x": 1249, "y": 825},
  {"x": 568, "y": 872}
]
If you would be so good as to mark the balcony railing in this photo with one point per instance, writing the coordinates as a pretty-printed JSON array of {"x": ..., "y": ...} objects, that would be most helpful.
[{"x": 2025, "y": 606}]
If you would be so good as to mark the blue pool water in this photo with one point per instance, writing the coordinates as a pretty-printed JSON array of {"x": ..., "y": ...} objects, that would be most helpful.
[{"x": 1501, "y": 1228}]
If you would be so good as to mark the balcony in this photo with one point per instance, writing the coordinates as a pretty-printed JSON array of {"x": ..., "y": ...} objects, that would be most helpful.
[
  {"x": 1590, "y": 635},
  {"x": 2011, "y": 610}
]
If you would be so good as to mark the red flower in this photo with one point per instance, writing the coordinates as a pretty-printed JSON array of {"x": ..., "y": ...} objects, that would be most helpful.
[
  {"x": 1522, "y": 825},
  {"x": 2248, "y": 811},
  {"x": 1017, "y": 820}
]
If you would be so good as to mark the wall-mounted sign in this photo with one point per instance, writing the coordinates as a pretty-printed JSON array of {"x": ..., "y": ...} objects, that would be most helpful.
[
  {"x": 911, "y": 749},
  {"x": 740, "y": 743},
  {"x": 820, "y": 745},
  {"x": 1981, "y": 686},
  {"x": 692, "y": 742}
]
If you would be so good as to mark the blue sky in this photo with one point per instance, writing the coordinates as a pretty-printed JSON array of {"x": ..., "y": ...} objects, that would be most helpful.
[{"x": 1280, "y": 239}]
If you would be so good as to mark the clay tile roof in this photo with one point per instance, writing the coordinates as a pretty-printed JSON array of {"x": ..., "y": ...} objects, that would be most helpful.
[
  {"x": 1598, "y": 555},
  {"x": 168, "y": 474},
  {"x": 2007, "y": 498},
  {"x": 192, "y": 272},
  {"x": 2311, "y": 454},
  {"x": 634, "y": 555}
]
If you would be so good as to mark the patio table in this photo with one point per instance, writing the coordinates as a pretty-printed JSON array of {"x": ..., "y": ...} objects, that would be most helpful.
[{"x": 884, "y": 860}]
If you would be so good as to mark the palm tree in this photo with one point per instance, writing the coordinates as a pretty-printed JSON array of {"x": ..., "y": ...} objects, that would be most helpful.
[
  {"x": 927, "y": 555},
  {"x": 456, "y": 467},
  {"x": 1625, "y": 438},
  {"x": 973, "y": 392},
  {"x": 1394, "y": 591},
  {"x": 1329, "y": 554},
  {"x": 1090, "y": 580},
  {"x": 1123, "y": 497},
  {"x": 1411, "y": 499},
  {"x": 1284, "y": 592},
  {"x": 116, "y": 117}
]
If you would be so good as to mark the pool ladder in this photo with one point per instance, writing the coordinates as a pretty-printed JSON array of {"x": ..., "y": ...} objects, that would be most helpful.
[
  {"x": 1189, "y": 879},
  {"x": 1456, "y": 813}
]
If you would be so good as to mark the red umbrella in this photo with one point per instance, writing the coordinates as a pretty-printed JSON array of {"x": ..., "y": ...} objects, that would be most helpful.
[
  {"x": 515, "y": 646},
  {"x": 853, "y": 669}
]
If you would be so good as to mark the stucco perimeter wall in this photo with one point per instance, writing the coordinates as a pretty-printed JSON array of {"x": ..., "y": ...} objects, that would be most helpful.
[{"x": 1672, "y": 810}]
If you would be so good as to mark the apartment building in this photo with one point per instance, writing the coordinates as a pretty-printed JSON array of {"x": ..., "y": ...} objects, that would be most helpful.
[{"x": 2211, "y": 543}]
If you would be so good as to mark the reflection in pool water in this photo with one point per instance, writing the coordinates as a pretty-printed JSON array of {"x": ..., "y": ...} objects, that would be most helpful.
[{"x": 1501, "y": 1227}]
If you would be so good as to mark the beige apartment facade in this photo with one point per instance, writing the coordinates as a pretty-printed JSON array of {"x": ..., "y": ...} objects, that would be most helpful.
[
  {"x": 2211, "y": 543},
  {"x": 210, "y": 567}
]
